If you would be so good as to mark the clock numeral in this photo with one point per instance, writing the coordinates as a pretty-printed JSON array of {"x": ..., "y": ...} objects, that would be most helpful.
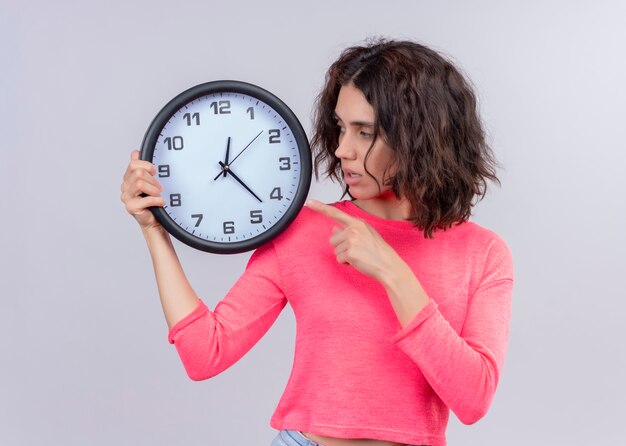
[
  {"x": 251, "y": 111},
  {"x": 229, "y": 227},
  {"x": 221, "y": 107},
  {"x": 175, "y": 200},
  {"x": 256, "y": 217},
  {"x": 285, "y": 163},
  {"x": 175, "y": 143},
  {"x": 164, "y": 171},
  {"x": 274, "y": 136},
  {"x": 275, "y": 194},
  {"x": 189, "y": 117},
  {"x": 199, "y": 217}
]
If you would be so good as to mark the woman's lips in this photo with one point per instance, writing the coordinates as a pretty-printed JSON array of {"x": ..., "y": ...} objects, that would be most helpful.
[{"x": 350, "y": 177}]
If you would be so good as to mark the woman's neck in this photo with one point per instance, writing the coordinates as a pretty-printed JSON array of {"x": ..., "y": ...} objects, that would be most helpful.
[{"x": 388, "y": 207}]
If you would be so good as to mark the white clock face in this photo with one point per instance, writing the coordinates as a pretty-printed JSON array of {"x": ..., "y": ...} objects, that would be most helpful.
[{"x": 229, "y": 165}]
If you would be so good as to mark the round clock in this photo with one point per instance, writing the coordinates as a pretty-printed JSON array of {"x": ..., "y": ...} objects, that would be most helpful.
[{"x": 235, "y": 165}]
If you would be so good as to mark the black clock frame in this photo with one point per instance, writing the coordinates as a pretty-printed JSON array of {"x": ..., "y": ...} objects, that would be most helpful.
[{"x": 232, "y": 86}]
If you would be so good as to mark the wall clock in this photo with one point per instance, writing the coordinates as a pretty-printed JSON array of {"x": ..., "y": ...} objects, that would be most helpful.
[{"x": 234, "y": 162}]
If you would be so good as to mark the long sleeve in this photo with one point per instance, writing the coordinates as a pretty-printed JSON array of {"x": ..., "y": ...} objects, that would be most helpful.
[
  {"x": 210, "y": 342},
  {"x": 464, "y": 369}
]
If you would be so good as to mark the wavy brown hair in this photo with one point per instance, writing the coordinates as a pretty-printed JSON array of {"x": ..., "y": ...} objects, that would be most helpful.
[{"x": 426, "y": 112}]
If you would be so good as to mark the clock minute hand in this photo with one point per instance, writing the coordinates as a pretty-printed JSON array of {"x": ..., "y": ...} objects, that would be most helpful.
[
  {"x": 232, "y": 174},
  {"x": 254, "y": 139}
]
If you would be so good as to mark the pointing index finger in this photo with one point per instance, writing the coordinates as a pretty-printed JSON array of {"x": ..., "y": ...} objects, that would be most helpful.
[{"x": 330, "y": 211}]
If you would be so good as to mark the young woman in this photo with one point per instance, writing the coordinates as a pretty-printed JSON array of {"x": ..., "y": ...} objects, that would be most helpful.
[{"x": 402, "y": 304}]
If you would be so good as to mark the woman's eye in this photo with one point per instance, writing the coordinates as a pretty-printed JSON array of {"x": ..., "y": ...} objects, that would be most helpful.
[{"x": 367, "y": 135}]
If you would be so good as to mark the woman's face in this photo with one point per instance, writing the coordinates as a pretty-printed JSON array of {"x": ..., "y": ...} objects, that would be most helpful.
[{"x": 356, "y": 121}]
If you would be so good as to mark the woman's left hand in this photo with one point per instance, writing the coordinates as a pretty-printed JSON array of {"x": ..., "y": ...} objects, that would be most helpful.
[{"x": 357, "y": 244}]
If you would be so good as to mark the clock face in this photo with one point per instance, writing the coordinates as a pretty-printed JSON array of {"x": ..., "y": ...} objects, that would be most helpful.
[{"x": 234, "y": 163}]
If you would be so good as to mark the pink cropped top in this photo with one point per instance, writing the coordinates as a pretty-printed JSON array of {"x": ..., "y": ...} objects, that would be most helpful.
[{"x": 357, "y": 373}]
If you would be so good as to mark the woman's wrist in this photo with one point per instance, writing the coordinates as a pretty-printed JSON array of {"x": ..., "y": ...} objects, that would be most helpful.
[
  {"x": 153, "y": 230},
  {"x": 157, "y": 239},
  {"x": 405, "y": 292},
  {"x": 395, "y": 274}
]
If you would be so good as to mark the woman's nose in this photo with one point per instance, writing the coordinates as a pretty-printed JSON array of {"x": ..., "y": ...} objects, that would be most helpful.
[{"x": 345, "y": 150}]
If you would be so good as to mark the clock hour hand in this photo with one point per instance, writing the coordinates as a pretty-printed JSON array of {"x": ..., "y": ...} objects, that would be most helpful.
[
  {"x": 232, "y": 174},
  {"x": 225, "y": 164},
  {"x": 226, "y": 160}
]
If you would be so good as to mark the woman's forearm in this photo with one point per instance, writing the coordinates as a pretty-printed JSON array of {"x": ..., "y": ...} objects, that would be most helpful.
[{"x": 178, "y": 298}]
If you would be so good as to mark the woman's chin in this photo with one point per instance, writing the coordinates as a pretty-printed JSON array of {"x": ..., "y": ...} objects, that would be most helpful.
[{"x": 358, "y": 193}]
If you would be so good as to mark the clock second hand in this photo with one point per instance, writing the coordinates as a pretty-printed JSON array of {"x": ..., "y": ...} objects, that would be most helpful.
[
  {"x": 242, "y": 150},
  {"x": 232, "y": 174},
  {"x": 226, "y": 164}
]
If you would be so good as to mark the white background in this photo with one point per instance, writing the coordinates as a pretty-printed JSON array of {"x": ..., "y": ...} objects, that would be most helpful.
[{"x": 83, "y": 353}]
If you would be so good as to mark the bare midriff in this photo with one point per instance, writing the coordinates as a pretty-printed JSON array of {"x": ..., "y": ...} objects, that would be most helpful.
[{"x": 331, "y": 441}]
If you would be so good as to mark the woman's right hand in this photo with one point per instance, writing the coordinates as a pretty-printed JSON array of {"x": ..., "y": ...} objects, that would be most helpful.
[{"x": 139, "y": 179}]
